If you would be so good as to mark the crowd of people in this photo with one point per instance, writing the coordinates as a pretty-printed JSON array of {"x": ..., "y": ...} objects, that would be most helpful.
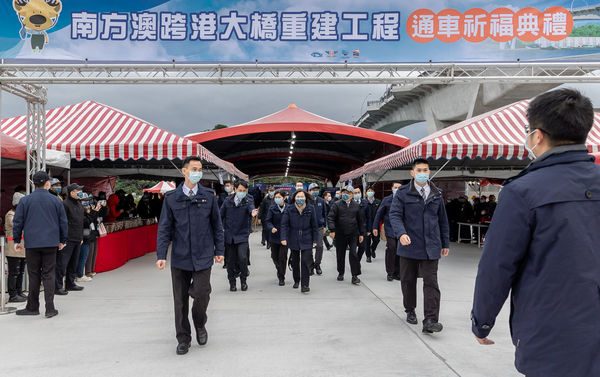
[{"x": 542, "y": 246}]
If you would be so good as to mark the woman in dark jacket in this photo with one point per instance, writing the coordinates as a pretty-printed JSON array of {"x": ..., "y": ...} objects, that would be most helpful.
[
  {"x": 299, "y": 232},
  {"x": 279, "y": 252},
  {"x": 90, "y": 235}
]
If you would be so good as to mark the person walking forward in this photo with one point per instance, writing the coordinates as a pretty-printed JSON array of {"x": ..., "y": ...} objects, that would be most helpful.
[
  {"x": 418, "y": 217},
  {"x": 190, "y": 220}
]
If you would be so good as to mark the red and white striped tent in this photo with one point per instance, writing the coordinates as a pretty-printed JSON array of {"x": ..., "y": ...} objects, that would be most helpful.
[
  {"x": 161, "y": 187},
  {"x": 597, "y": 155},
  {"x": 497, "y": 134},
  {"x": 93, "y": 131}
]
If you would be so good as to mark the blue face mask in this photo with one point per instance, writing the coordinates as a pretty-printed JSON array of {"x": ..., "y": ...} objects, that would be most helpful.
[
  {"x": 80, "y": 194},
  {"x": 227, "y": 189},
  {"x": 370, "y": 194},
  {"x": 337, "y": 196},
  {"x": 271, "y": 194},
  {"x": 241, "y": 195},
  {"x": 300, "y": 201},
  {"x": 329, "y": 198},
  {"x": 357, "y": 196},
  {"x": 314, "y": 193},
  {"x": 394, "y": 191},
  {"x": 422, "y": 178},
  {"x": 299, "y": 188},
  {"x": 58, "y": 190},
  {"x": 278, "y": 201},
  {"x": 195, "y": 176},
  {"x": 345, "y": 197}
]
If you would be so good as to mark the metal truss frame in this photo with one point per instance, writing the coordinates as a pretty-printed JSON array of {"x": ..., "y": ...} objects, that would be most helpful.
[{"x": 305, "y": 73}]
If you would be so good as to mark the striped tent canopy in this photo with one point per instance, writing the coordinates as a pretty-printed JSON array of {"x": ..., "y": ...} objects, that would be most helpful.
[
  {"x": 497, "y": 134},
  {"x": 93, "y": 131},
  {"x": 161, "y": 187}
]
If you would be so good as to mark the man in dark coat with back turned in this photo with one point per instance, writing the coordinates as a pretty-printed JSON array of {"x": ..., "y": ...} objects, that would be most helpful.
[
  {"x": 392, "y": 260},
  {"x": 418, "y": 216},
  {"x": 41, "y": 219},
  {"x": 543, "y": 246},
  {"x": 190, "y": 219}
]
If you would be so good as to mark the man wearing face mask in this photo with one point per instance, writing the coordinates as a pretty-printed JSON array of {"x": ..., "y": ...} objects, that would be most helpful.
[
  {"x": 364, "y": 210},
  {"x": 55, "y": 188},
  {"x": 236, "y": 213},
  {"x": 228, "y": 187},
  {"x": 543, "y": 246},
  {"x": 371, "y": 240},
  {"x": 263, "y": 210},
  {"x": 321, "y": 212},
  {"x": 337, "y": 196},
  {"x": 418, "y": 217},
  {"x": 346, "y": 224},
  {"x": 191, "y": 222},
  {"x": 68, "y": 259},
  {"x": 392, "y": 260}
]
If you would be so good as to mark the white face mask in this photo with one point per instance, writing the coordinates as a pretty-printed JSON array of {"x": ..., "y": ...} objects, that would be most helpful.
[{"x": 530, "y": 150}]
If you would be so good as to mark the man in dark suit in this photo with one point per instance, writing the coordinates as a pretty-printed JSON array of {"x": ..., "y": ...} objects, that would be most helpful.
[
  {"x": 392, "y": 260},
  {"x": 419, "y": 219},
  {"x": 190, "y": 220},
  {"x": 372, "y": 240},
  {"x": 42, "y": 219},
  {"x": 346, "y": 224}
]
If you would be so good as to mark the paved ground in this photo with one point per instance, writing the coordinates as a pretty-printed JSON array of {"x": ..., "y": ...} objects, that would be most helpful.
[{"x": 122, "y": 325}]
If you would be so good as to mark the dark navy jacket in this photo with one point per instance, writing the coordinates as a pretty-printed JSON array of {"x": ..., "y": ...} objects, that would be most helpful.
[
  {"x": 41, "y": 219},
  {"x": 543, "y": 246},
  {"x": 237, "y": 221},
  {"x": 372, "y": 211},
  {"x": 273, "y": 220},
  {"x": 299, "y": 230},
  {"x": 320, "y": 210},
  {"x": 383, "y": 214},
  {"x": 425, "y": 222},
  {"x": 194, "y": 227}
]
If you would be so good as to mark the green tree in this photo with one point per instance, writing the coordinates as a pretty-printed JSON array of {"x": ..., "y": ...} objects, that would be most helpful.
[{"x": 219, "y": 126}]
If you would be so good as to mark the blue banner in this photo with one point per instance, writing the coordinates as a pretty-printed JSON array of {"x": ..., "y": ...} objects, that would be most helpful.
[{"x": 296, "y": 31}]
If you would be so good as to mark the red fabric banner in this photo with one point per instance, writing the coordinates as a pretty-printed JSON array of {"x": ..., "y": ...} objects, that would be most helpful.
[{"x": 117, "y": 248}]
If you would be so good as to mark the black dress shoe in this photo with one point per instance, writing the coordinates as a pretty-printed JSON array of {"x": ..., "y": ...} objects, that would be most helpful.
[
  {"x": 355, "y": 280},
  {"x": 340, "y": 278},
  {"x": 27, "y": 312},
  {"x": 318, "y": 269},
  {"x": 281, "y": 282},
  {"x": 305, "y": 289},
  {"x": 22, "y": 295},
  {"x": 51, "y": 313},
  {"x": 75, "y": 288},
  {"x": 17, "y": 298},
  {"x": 411, "y": 317},
  {"x": 262, "y": 243},
  {"x": 390, "y": 278},
  {"x": 232, "y": 287},
  {"x": 296, "y": 285},
  {"x": 202, "y": 336},
  {"x": 244, "y": 287},
  {"x": 183, "y": 348},
  {"x": 396, "y": 277},
  {"x": 61, "y": 292},
  {"x": 430, "y": 326},
  {"x": 373, "y": 255},
  {"x": 369, "y": 260}
]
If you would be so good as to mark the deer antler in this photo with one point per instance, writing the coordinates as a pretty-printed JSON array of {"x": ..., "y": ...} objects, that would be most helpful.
[{"x": 53, "y": 3}]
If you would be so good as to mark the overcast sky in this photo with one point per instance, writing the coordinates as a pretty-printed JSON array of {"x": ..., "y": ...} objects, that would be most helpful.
[{"x": 185, "y": 109}]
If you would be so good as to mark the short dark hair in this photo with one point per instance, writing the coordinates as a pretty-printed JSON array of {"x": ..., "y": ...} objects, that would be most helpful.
[
  {"x": 20, "y": 188},
  {"x": 242, "y": 183},
  {"x": 226, "y": 182},
  {"x": 419, "y": 161},
  {"x": 280, "y": 192},
  {"x": 564, "y": 115},
  {"x": 189, "y": 159},
  {"x": 299, "y": 191}
]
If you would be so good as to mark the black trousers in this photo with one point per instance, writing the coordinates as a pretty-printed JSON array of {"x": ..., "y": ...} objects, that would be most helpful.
[
  {"x": 67, "y": 260},
  {"x": 342, "y": 243},
  {"x": 279, "y": 254},
  {"x": 237, "y": 254},
  {"x": 186, "y": 284},
  {"x": 371, "y": 244},
  {"x": 392, "y": 260},
  {"x": 362, "y": 248},
  {"x": 41, "y": 267},
  {"x": 302, "y": 262},
  {"x": 326, "y": 242},
  {"x": 16, "y": 271},
  {"x": 409, "y": 271},
  {"x": 265, "y": 233}
]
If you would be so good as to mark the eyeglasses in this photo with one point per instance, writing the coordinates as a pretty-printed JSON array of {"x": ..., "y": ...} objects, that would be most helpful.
[{"x": 529, "y": 130}]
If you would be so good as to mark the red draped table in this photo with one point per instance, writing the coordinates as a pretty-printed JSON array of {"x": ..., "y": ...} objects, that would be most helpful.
[{"x": 115, "y": 249}]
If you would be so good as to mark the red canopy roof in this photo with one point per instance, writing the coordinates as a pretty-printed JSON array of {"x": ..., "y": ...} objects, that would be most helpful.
[
  {"x": 91, "y": 130},
  {"x": 12, "y": 148},
  {"x": 497, "y": 134},
  {"x": 319, "y": 147}
]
